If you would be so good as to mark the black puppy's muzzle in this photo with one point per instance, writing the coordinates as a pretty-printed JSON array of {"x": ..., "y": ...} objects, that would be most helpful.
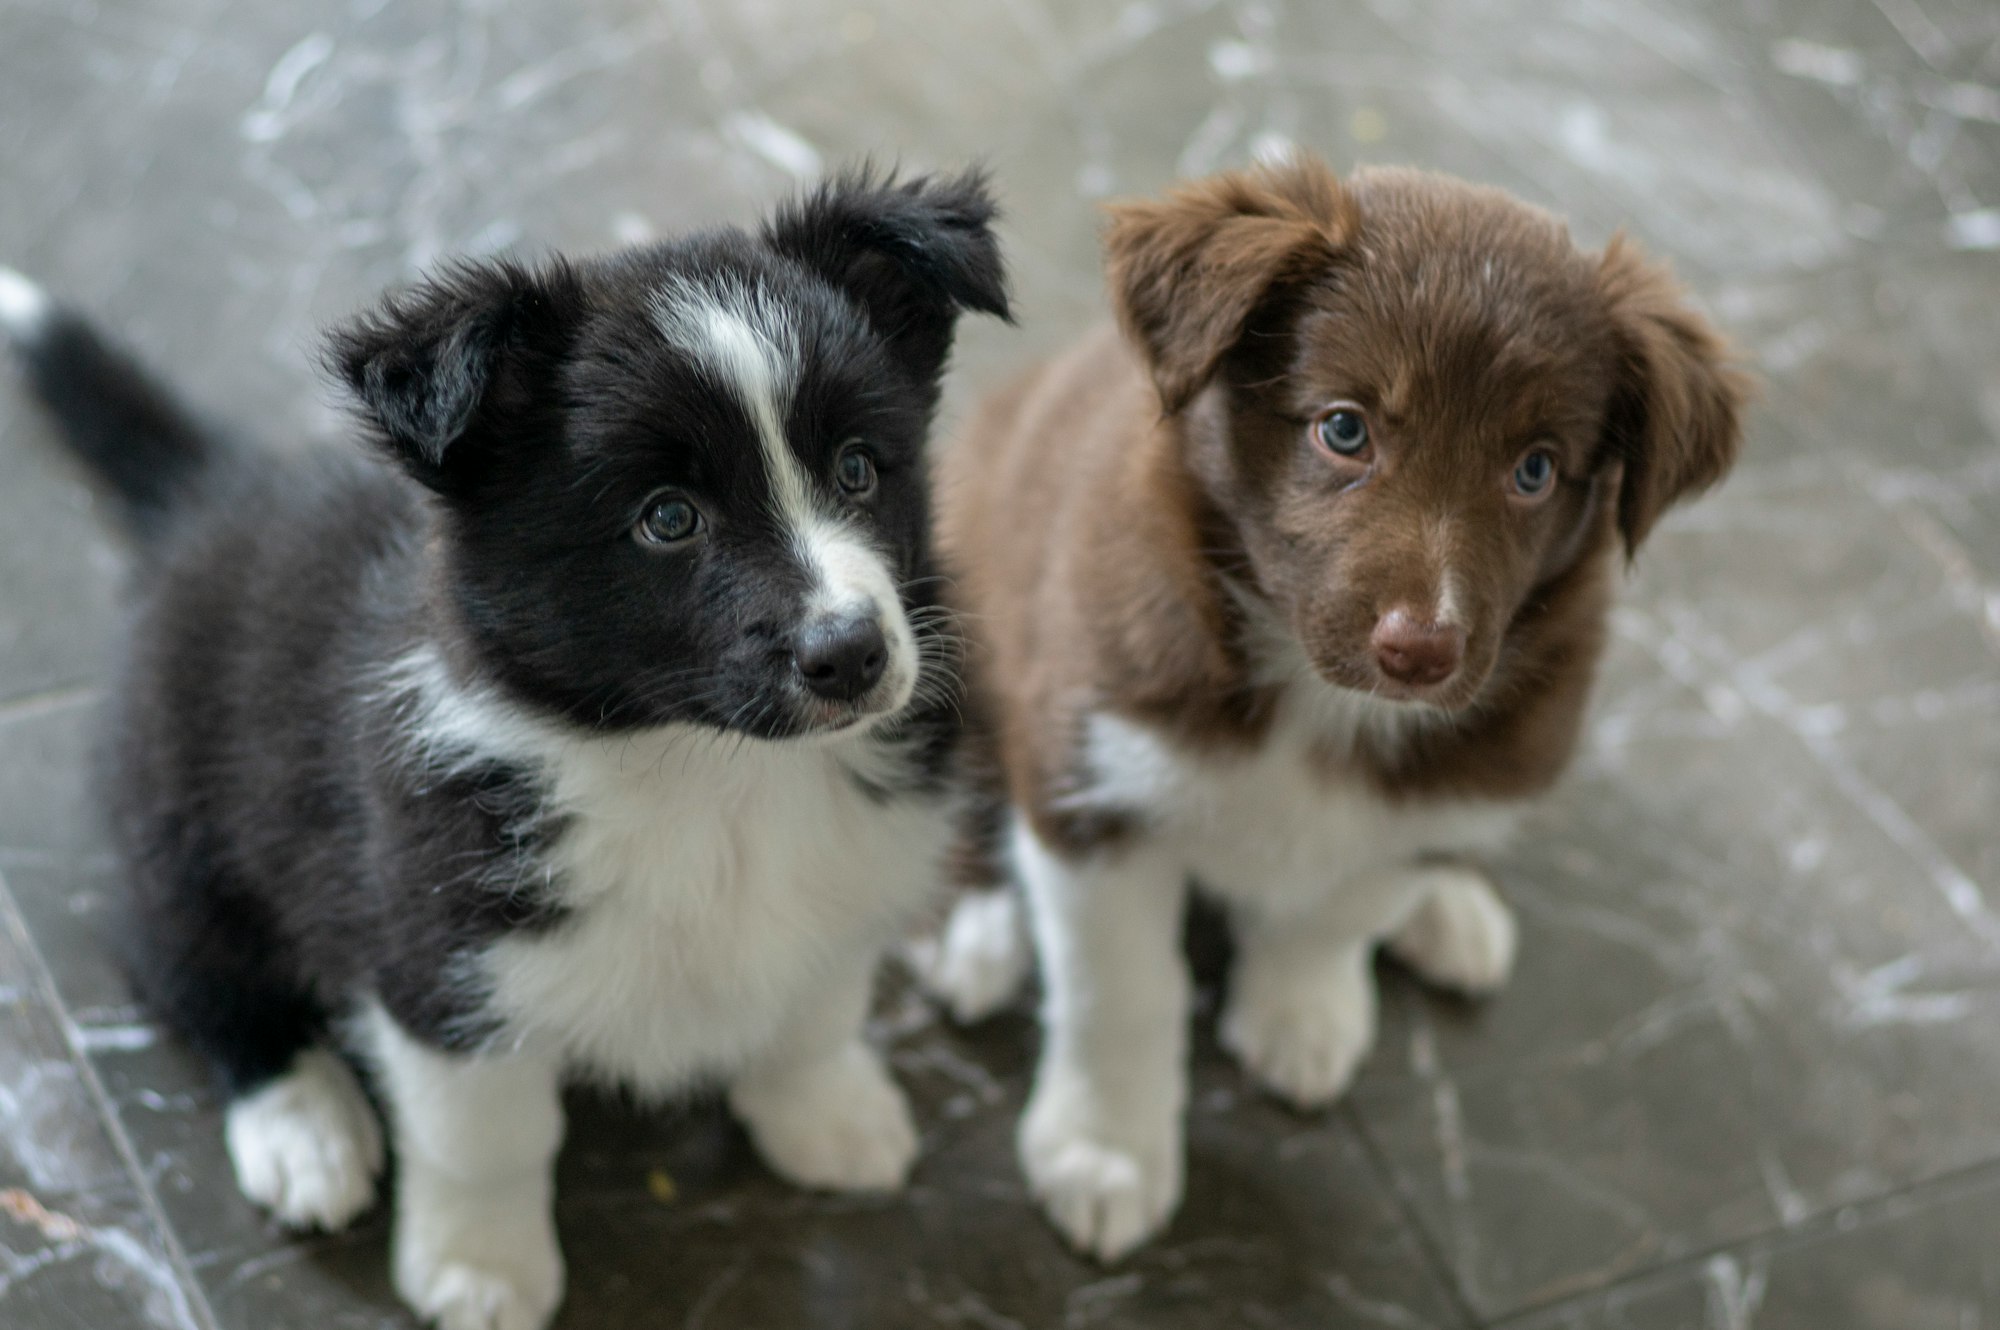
[{"x": 841, "y": 657}]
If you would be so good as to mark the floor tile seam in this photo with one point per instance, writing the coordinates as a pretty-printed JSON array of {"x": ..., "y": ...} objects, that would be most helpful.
[
  {"x": 43, "y": 979},
  {"x": 48, "y": 698},
  {"x": 1777, "y": 1238},
  {"x": 1435, "y": 1258}
]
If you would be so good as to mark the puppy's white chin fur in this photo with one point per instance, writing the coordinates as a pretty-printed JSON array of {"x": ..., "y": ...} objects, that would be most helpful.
[{"x": 869, "y": 720}]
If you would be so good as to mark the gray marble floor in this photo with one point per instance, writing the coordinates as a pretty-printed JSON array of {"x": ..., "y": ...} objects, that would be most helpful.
[{"x": 1749, "y": 1075}]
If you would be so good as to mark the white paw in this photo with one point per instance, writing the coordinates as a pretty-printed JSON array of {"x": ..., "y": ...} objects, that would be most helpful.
[
  {"x": 466, "y": 1297},
  {"x": 1107, "y": 1181},
  {"x": 1462, "y": 937},
  {"x": 307, "y": 1147},
  {"x": 1301, "y": 1024},
  {"x": 477, "y": 1258},
  {"x": 839, "y": 1125},
  {"x": 981, "y": 960}
]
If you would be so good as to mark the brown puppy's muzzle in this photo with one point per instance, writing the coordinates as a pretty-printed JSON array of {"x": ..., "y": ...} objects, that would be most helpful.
[{"x": 1416, "y": 651}]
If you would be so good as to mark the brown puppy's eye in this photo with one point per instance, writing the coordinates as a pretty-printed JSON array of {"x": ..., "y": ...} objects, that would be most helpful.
[
  {"x": 1343, "y": 431},
  {"x": 1535, "y": 474}
]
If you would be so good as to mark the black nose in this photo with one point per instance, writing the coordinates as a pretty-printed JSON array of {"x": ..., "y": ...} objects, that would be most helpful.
[{"x": 841, "y": 659}]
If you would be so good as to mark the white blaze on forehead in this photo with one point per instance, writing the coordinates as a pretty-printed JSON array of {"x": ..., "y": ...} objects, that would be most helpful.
[
  {"x": 743, "y": 337},
  {"x": 748, "y": 341},
  {"x": 851, "y": 573},
  {"x": 1441, "y": 543},
  {"x": 851, "y": 578},
  {"x": 1449, "y": 611}
]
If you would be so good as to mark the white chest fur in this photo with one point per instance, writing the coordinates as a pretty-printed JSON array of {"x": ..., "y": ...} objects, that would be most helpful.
[
  {"x": 1273, "y": 828},
  {"x": 711, "y": 886}
]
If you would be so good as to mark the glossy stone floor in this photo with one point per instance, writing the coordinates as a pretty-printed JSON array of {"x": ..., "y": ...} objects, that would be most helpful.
[{"x": 1749, "y": 1075}]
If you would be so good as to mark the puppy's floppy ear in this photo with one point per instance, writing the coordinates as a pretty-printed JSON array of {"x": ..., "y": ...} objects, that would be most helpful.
[
  {"x": 1674, "y": 421},
  {"x": 426, "y": 362},
  {"x": 1187, "y": 270},
  {"x": 913, "y": 253}
]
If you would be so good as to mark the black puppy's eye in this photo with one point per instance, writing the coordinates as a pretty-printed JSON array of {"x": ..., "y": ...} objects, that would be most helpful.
[
  {"x": 855, "y": 469},
  {"x": 669, "y": 519},
  {"x": 1343, "y": 431},
  {"x": 1534, "y": 473}
]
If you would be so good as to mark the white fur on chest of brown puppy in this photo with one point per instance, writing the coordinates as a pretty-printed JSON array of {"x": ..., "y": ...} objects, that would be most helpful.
[{"x": 1285, "y": 824}]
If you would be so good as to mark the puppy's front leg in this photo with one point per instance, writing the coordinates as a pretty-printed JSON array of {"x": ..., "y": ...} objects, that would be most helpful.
[
  {"x": 476, "y": 1139},
  {"x": 1301, "y": 1009},
  {"x": 1463, "y": 936},
  {"x": 1101, "y": 1141},
  {"x": 820, "y": 1104}
]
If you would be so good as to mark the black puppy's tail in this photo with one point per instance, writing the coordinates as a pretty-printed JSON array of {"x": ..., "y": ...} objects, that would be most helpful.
[{"x": 136, "y": 440}]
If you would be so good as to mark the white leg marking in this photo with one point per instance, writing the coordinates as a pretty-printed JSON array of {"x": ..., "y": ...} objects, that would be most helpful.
[
  {"x": 983, "y": 957},
  {"x": 1101, "y": 1141},
  {"x": 476, "y": 1139},
  {"x": 1463, "y": 936},
  {"x": 1301, "y": 1013},
  {"x": 307, "y": 1146},
  {"x": 24, "y": 306},
  {"x": 821, "y": 1106}
]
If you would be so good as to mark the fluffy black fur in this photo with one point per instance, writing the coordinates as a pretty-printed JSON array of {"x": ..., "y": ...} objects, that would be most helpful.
[
  {"x": 126, "y": 429},
  {"x": 284, "y": 854}
]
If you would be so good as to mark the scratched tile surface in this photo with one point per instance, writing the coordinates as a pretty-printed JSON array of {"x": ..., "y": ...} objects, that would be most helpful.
[{"x": 1748, "y": 1073}]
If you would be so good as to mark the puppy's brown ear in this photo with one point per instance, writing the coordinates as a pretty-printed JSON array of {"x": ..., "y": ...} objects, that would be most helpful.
[
  {"x": 1675, "y": 415},
  {"x": 1187, "y": 270}
]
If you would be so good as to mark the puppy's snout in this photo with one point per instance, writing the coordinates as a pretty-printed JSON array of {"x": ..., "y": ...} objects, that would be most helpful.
[
  {"x": 1414, "y": 651},
  {"x": 840, "y": 657}
]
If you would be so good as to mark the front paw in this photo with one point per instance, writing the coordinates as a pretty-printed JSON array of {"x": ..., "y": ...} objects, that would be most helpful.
[
  {"x": 1463, "y": 937},
  {"x": 307, "y": 1146},
  {"x": 840, "y": 1125},
  {"x": 981, "y": 959},
  {"x": 477, "y": 1258},
  {"x": 1302, "y": 1026},
  {"x": 1108, "y": 1181}
]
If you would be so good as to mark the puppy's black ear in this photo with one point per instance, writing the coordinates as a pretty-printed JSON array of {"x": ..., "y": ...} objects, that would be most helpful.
[
  {"x": 1675, "y": 418},
  {"x": 430, "y": 362},
  {"x": 913, "y": 253},
  {"x": 1187, "y": 271}
]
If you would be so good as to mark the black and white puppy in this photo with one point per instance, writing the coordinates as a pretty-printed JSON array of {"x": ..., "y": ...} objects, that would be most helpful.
[{"x": 601, "y": 733}]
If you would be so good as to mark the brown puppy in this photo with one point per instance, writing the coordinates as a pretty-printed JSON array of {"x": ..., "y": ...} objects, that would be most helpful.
[{"x": 1295, "y": 588}]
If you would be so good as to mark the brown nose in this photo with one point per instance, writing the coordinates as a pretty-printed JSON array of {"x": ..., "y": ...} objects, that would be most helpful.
[{"x": 1411, "y": 651}]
